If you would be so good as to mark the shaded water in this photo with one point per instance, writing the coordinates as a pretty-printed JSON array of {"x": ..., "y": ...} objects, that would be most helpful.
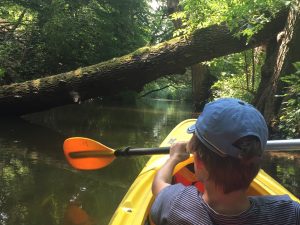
[{"x": 37, "y": 184}]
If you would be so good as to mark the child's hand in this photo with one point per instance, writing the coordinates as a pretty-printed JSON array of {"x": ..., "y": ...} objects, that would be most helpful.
[{"x": 178, "y": 152}]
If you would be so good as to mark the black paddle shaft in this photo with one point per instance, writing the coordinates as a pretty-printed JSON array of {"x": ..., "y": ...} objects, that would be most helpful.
[
  {"x": 272, "y": 145},
  {"x": 142, "y": 151}
]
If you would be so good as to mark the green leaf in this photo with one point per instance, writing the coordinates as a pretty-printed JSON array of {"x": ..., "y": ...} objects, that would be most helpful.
[{"x": 2, "y": 72}]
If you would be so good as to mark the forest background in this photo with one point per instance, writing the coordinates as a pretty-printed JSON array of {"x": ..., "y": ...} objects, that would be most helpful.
[{"x": 39, "y": 38}]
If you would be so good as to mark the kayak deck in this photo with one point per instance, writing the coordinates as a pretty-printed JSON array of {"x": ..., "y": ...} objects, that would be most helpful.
[{"x": 135, "y": 206}]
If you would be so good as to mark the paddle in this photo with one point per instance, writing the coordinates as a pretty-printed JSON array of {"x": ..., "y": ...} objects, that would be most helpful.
[{"x": 87, "y": 154}]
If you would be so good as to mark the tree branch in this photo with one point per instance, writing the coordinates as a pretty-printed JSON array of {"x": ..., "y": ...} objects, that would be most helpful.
[{"x": 155, "y": 90}]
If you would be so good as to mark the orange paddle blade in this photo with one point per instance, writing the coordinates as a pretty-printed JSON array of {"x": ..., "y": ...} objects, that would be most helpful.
[{"x": 87, "y": 154}]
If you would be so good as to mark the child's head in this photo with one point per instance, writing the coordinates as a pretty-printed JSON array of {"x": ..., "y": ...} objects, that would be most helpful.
[{"x": 230, "y": 137}]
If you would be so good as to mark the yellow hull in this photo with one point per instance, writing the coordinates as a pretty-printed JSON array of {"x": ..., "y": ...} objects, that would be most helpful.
[{"x": 134, "y": 208}]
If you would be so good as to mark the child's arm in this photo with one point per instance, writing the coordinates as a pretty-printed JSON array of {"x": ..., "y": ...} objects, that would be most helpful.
[{"x": 163, "y": 178}]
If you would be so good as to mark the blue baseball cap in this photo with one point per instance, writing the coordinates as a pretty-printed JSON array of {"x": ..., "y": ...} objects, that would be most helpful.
[{"x": 225, "y": 121}]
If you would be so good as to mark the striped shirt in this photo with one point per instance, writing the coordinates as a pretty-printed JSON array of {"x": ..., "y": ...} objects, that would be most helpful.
[{"x": 180, "y": 205}]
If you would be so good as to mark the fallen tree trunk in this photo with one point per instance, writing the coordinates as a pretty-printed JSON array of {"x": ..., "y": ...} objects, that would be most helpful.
[{"x": 130, "y": 71}]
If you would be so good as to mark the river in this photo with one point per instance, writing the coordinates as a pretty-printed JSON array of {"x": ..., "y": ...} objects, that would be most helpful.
[{"x": 38, "y": 186}]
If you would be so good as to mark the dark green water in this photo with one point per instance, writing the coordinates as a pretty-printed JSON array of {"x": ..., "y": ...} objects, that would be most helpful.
[{"x": 38, "y": 187}]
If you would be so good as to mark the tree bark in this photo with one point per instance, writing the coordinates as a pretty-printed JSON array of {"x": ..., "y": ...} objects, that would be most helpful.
[
  {"x": 201, "y": 84},
  {"x": 131, "y": 71},
  {"x": 281, "y": 53}
]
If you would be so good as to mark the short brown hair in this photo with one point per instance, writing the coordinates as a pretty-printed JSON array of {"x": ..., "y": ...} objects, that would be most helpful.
[{"x": 229, "y": 173}]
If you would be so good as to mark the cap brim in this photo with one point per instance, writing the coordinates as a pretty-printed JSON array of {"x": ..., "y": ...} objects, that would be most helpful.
[{"x": 191, "y": 129}]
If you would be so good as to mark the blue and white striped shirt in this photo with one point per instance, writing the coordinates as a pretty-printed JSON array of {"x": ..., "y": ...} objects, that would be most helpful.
[{"x": 180, "y": 205}]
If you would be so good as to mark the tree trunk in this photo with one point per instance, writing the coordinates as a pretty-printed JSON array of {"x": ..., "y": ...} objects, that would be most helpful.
[
  {"x": 201, "y": 84},
  {"x": 279, "y": 59},
  {"x": 131, "y": 71}
]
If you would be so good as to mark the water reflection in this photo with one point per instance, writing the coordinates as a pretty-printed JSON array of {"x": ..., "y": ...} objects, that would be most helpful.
[
  {"x": 285, "y": 168},
  {"x": 39, "y": 187},
  {"x": 115, "y": 124}
]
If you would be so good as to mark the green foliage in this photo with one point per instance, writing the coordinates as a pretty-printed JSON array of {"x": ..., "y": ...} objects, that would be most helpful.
[
  {"x": 15, "y": 26},
  {"x": 93, "y": 32},
  {"x": 160, "y": 25},
  {"x": 255, "y": 14},
  {"x": 61, "y": 35},
  {"x": 290, "y": 111},
  {"x": 231, "y": 85},
  {"x": 2, "y": 71},
  {"x": 245, "y": 17},
  {"x": 232, "y": 72},
  {"x": 199, "y": 14}
]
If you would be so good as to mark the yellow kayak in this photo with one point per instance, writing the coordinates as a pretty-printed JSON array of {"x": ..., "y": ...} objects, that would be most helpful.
[{"x": 135, "y": 206}]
